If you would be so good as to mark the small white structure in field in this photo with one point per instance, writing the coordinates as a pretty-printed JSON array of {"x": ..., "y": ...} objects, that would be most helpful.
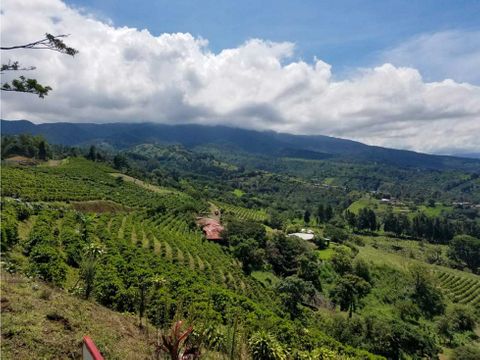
[
  {"x": 306, "y": 231},
  {"x": 304, "y": 236}
]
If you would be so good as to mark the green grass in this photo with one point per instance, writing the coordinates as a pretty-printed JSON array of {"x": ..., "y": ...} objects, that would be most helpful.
[
  {"x": 384, "y": 258},
  {"x": 266, "y": 278},
  {"x": 363, "y": 203},
  {"x": 241, "y": 212},
  {"x": 427, "y": 252},
  {"x": 326, "y": 254},
  {"x": 329, "y": 181},
  {"x": 381, "y": 208},
  {"x": 154, "y": 188},
  {"x": 436, "y": 210},
  {"x": 238, "y": 193}
]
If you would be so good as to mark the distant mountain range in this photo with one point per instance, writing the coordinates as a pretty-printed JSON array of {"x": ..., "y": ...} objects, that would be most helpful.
[
  {"x": 268, "y": 143},
  {"x": 471, "y": 155}
]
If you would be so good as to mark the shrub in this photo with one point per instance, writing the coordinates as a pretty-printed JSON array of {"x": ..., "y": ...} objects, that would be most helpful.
[
  {"x": 426, "y": 295},
  {"x": 327, "y": 354},
  {"x": 46, "y": 294},
  {"x": 294, "y": 291},
  {"x": 458, "y": 319},
  {"x": 468, "y": 352},
  {"x": 335, "y": 234},
  {"x": 48, "y": 264},
  {"x": 342, "y": 261},
  {"x": 361, "y": 269},
  {"x": 264, "y": 346}
]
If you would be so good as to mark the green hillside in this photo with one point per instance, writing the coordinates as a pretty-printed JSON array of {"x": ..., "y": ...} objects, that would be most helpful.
[
  {"x": 129, "y": 244},
  {"x": 197, "y": 280}
]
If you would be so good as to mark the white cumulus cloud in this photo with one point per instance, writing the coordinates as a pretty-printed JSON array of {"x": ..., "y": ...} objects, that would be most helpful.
[
  {"x": 127, "y": 74},
  {"x": 451, "y": 54}
]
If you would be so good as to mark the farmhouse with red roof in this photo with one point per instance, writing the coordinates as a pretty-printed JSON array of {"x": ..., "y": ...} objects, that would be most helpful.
[{"x": 211, "y": 228}]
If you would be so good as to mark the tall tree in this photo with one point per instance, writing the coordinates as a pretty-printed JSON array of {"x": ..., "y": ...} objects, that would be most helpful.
[
  {"x": 465, "y": 249},
  {"x": 248, "y": 252},
  {"x": 42, "y": 150},
  {"x": 309, "y": 270},
  {"x": 92, "y": 153},
  {"x": 348, "y": 291},
  {"x": 425, "y": 294},
  {"x": 328, "y": 212},
  {"x": 320, "y": 213},
  {"x": 367, "y": 220},
  {"x": 293, "y": 292},
  {"x": 351, "y": 219},
  {"x": 306, "y": 216}
]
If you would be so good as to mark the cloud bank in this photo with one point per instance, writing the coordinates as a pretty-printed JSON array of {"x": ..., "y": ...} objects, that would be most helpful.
[{"x": 126, "y": 74}]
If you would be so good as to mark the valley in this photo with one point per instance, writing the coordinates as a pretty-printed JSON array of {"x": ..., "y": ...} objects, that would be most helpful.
[{"x": 391, "y": 271}]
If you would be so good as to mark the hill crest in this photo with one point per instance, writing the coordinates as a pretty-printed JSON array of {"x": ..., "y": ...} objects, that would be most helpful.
[{"x": 267, "y": 143}]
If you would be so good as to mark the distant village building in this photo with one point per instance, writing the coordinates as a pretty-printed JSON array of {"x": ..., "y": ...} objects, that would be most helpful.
[{"x": 461, "y": 203}]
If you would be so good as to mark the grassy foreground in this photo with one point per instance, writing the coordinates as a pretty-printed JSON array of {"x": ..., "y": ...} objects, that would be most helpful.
[{"x": 45, "y": 321}]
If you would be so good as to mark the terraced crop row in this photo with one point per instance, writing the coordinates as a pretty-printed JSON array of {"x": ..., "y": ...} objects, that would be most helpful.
[
  {"x": 153, "y": 235},
  {"x": 463, "y": 289},
  {"x": 174, "y": 240},
  {"x": 80, "y": 180},
  {"x": 243, "y": 213}
]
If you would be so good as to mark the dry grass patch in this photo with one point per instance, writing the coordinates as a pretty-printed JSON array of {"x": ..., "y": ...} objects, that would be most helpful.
[{"x": 40, "y": 322}]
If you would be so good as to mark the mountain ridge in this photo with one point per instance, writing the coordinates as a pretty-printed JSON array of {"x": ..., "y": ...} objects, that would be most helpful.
[{"x": 270, "y": 143}]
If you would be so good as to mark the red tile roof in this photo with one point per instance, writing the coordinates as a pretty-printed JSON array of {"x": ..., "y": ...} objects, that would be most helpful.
[{"x": 211, "y": 228}]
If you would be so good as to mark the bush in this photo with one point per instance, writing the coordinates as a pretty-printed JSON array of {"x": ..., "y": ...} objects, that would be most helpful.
[
  {"x": 264, "y": 346},
  {"x": 46, "y": 294},
  {"x": 391, "y": 337},
  {"x": 425, "y": 294},
  {"x": 327, "y": 354},
  {"x": 466, "y": 250},
  {"x": 320, "y": 242},
  {"x": 468, "y": 352},
  {"x": 335, "y": 234},
  {"x": 408, "y": 310},
  {"x": 458, "y": 319},
  {"x": 361, "y": 269},
  {"x": 357, "y": 240},
  {"x": 48, "y": 264},
  {"x": 294, "y": 291},
  {"x": 283, "y": 253},
  {"x": 342, "y": 261},
  {"x": 9, "y": 224}
]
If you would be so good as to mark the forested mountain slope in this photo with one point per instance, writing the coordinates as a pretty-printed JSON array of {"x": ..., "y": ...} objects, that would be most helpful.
[{"x": 265, "y": 143}]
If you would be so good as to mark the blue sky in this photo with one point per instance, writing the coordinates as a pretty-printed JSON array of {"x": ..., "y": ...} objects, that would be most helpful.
[{"x": 346, "y": 34}]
